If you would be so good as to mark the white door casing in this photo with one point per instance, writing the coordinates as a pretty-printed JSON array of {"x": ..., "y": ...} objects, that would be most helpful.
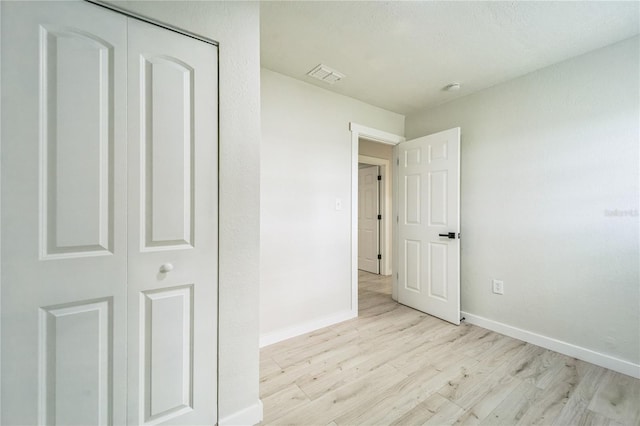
[
  {"x": 358, "y": 131},
  {"x": 368, "y": 223},
  {"x": 428, "y": 209},
  {"x": 71, "y": 271}
]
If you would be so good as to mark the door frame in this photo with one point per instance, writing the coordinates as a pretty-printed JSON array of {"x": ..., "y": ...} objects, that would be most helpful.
[
  {"x": 0, "y": 210},
  {"x": 131, "y": 14},
  {"x": 359, "y": 131}
]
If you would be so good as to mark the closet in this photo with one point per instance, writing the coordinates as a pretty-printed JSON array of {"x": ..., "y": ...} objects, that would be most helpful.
[{"x": 109, "y": 223}]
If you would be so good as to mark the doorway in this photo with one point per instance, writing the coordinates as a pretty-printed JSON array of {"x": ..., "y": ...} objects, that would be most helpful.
[
  {"x": 361, "y": 135},
  {"x": 431, "y": 173}
]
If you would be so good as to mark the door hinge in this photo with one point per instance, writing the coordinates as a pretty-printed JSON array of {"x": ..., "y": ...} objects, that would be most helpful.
[
  {"x": 397, "y": 219},
  {"x": 379, "y": 256},
  {"x": 379, "y": 217},
  {"x": 379, "y": 177},
  {"x": 398, "y": 161}
]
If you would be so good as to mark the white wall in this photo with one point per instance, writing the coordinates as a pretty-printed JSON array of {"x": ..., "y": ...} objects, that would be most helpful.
[
  {"x": 544, "y": 159},
  {"x": 235, "y": 25},
  {"x": 305, "y": 166}
]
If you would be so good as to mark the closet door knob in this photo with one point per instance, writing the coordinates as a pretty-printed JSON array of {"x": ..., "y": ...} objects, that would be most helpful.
[{"x": 167, "y": 267}]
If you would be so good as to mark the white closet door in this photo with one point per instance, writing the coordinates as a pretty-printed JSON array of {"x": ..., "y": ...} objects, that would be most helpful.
[
  {"x": 63, "y": 214},
  {"x": 172, "y": 227},
  {"x": 109, "y": 219}
]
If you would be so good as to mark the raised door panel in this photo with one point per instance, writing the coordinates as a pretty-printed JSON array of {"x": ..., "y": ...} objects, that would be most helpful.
[
  {"x": 438, "y": 198},
  {"x": 75, "y": 352},
  {"x": 76, "y": 143},
  {"x": 411, "y": 265},
  {"x": 412, "y": 199},
  {"x": 167, "y": 125},
  {"x": 166, "y": 319},
  {"x": 437, "y": 278}
]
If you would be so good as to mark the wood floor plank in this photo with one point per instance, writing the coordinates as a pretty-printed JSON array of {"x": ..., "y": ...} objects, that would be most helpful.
[
  {"x": 618, "y": 398},
  {"x": 393, "y": 402},
  {"x": 483, "y": 381},
  {"x": 268, "y": 366},
  {"x": 298, "y": 355},
  {"x": 315, "y": 365},
  {"x": 576, "y": 410},
  {"x": 434, "y": 349},
  {"x": 406, "y": 395},
  {"x": 333, "y": 404},
  {"x": 530, "y": 405},
  {"x": 447, "y": 414},
  {"x": 590, "y": 418},
  {"x": 379, "y": 350},
  {"x": 479, "y": 394},
  {"x": 341, "y": 373},
  {"x": 395, "y": 365},
  {"x": 422, "y": 411},
  {"x": 288, "y": 399}
]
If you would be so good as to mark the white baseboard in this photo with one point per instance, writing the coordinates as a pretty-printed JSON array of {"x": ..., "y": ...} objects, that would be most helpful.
[
  {"x": 289, "y": 332},
  {"x": 248, "y": 417},
  {"x": 597, "y": 358}
]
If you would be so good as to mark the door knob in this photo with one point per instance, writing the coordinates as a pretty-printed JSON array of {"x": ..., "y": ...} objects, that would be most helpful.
[
  {"x": 451, "y": 235},
  {"x": 167, "y": 267}
]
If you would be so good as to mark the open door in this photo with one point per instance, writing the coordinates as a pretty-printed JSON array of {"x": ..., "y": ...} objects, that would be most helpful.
[{"x": 428, "y": 224}]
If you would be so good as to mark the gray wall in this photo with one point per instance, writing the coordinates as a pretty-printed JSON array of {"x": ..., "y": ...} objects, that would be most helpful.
[
  {"x": 306, "y": 165},
  {"x": 547, "y": 159}
]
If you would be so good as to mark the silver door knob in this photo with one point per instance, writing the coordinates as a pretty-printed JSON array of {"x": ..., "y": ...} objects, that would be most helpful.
[{"x": 167, "y": 267}]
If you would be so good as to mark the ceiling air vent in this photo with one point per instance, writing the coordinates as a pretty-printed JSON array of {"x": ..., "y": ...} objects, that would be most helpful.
[{"x": 326, "y": 74}]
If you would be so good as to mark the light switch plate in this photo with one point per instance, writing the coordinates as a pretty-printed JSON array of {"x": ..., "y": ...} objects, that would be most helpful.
[{"x": 498, "y": 287}]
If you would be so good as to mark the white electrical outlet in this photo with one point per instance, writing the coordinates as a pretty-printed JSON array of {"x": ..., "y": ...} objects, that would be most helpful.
[{"x": 498, "y": 287}]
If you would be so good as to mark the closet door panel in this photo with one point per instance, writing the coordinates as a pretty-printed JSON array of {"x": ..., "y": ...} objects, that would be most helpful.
[
  {"x": 167, "y": 125},
  {"x": 63, "y": 172},
  {"x": 172, "y": 227}
]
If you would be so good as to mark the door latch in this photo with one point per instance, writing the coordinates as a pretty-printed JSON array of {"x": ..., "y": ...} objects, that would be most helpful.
[{"x": 450, "y": 235}]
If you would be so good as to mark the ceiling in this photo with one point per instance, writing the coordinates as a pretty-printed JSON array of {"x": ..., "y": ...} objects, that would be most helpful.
[{"x": 400, "y": 55}]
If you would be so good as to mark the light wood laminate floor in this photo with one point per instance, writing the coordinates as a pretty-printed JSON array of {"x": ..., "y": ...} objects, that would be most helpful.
[{"x": 396, "y": 366}]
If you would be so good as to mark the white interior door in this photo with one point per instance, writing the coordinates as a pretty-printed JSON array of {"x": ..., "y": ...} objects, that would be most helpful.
[
  {"x": 91, "y": 207},
  {"x": 173, "y": 220},
  {"x": 428, "y": 179},
  {"x": 368, "y": 223},
  {"x": 63, "y": 214}
]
